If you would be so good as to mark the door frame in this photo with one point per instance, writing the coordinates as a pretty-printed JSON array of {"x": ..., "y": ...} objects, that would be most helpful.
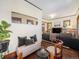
[{"x": 77, "y": 24}]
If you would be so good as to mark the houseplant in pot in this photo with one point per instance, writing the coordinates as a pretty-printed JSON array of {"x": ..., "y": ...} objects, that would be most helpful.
[{"x": 4, "y": 35}]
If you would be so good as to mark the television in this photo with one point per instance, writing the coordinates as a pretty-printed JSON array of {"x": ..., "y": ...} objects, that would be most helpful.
[{"x": 56, "y": 30}]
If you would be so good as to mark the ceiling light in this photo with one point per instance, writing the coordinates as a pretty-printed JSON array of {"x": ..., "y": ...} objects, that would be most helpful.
[{"x": 52, "y": 15}]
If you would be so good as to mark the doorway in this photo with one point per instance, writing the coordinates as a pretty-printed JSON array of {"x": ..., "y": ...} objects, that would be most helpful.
[{"x": 78, "y": 24}]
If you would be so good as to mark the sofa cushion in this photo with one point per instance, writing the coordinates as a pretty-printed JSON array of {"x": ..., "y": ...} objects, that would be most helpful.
[{"x": 21, "y": 41}]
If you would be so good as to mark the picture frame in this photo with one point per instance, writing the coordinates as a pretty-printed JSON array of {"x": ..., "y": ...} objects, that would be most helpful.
[
  {"x": 36, "y": 23},
  {"x": 30, "y": 21},
  {"x": 49, "y": 26},
  {"x": 66, "y": 23},
  {"x": 16, "y": 20},
  {"x": 57, "y": 25}
]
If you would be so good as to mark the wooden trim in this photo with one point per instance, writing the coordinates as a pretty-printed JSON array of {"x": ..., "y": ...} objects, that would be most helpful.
[{"x": 33, "y": 4}]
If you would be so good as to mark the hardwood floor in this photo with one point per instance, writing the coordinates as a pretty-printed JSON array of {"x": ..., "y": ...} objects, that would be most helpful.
[{"x": 67, "y": 53}]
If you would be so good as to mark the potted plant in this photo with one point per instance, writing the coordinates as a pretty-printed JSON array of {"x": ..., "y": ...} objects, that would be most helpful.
[{"x": 4, "y": 35}]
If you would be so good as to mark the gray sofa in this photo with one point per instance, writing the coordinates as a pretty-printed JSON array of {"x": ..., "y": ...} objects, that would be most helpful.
[
  {"x": 46, "y": 36},
  {"x": 69, "y": 40}
]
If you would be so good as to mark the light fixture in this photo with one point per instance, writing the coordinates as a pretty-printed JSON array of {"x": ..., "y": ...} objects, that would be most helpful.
[{"x": 52, "y": 15}]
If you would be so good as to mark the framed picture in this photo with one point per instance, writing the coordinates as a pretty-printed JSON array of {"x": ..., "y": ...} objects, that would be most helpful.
[
  {"x": 16, "y": 20},
  {"x": 36, "y": 22},
  {"x": 30, "y": 21},
  {"x": 66, "y": 23},
  {"x": 49, "y": 26},
  {"x": 57, "y": 25}
]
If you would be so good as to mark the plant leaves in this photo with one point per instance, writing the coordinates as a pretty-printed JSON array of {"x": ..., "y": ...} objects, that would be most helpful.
[
  {"x": 4, "y": 32},
  {"x": 5, "y": 24}
]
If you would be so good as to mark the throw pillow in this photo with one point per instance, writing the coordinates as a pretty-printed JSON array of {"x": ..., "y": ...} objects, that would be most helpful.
[
  {"x": 21, "y": 41},
  {"x": 34, "y": 38},
  {"x": 28, "y": 42}
]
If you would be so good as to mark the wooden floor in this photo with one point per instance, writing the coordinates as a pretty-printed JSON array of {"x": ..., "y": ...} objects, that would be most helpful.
[{"x": 67, "y": 53}]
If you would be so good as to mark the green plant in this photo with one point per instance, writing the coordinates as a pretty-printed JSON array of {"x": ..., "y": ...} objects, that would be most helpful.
[{"x": 4, "y": 31}]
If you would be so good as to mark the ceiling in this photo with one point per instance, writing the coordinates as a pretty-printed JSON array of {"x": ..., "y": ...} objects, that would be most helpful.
[{"x": 56, "y": 8}]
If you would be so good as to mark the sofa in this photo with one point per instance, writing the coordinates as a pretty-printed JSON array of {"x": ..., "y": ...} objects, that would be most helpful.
[
  {"x": 46, "y": 36},
  {"x": 28, "y": 49},
  {"x": 69, "y": 40}
]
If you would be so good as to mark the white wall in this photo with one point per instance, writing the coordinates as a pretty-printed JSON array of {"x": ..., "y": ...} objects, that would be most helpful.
[
  {"x": 45, "y": 21},
  {"x": 24, "y": 18},
  {"x": 23, "y": 30},
  {"x": 23, "y": 7},
  {"x": 20, "y": 6},
  {"x": 70, "y": 10}
]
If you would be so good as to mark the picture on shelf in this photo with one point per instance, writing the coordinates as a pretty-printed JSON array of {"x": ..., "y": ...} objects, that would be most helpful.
[
  {"x": 36, "y": 22},
  {"x": 16, "y": 20},
  {"x": 49, "y": 25},
  {"x": 30, "y": 21}
]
